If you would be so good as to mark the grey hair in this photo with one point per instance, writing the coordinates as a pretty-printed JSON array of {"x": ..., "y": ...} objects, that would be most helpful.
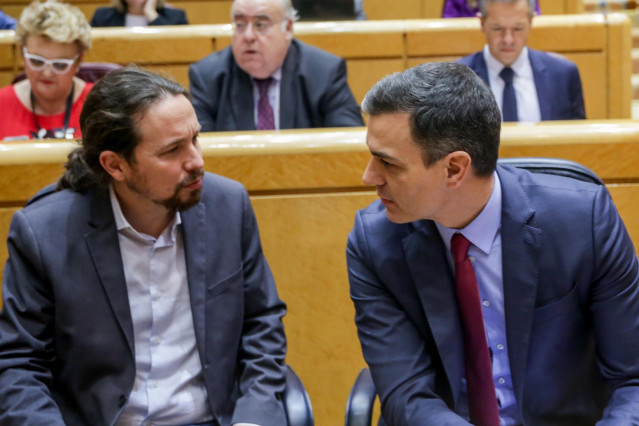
[
  {"x": 484, "y": 10},
  {"x": 451, "y": 109},
  {"x": 287, "y": 9}
]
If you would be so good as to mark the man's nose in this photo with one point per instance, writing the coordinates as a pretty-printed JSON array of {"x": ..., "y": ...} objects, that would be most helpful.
[{"x": 371, "y": 176}]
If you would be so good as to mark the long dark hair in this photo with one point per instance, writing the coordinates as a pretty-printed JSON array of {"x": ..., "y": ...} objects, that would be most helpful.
[{"x": 109, "y": 122}]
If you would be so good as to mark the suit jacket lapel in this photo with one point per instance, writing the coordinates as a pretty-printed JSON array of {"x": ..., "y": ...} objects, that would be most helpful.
[
  {"x": 195, "y": 252},
  {"x": 241, "y": 98},
  {"x": 104, "y": 247},
  {"x": 480, "y": 67},
  {"x": 426, "y": 258},
  {"x": 542, "y": 84},
  {"x": 521, "y": 249},
  {"x": 289, "y": 88}
]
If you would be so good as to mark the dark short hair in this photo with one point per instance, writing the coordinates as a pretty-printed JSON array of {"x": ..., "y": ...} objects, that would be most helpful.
[
  {"x": 451, "y": 109},
  {"x": 484, "y": 10},
  {"x": 109, "y": 122}
]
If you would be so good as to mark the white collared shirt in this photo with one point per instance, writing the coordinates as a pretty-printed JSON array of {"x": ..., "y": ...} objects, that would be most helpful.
[
  {"x": 273, "y": 97},
  {"x": 169, "y": 386},
  {"x": 523, "y": 82}
]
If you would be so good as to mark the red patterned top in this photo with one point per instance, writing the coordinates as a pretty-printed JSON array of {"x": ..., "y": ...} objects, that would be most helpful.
[{"x": 16, "y": 121}]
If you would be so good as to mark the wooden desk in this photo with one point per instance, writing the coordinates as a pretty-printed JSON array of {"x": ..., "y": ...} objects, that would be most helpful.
[
  {"x": 305, "y": 187},
  {"x": 219, "y": 11}
]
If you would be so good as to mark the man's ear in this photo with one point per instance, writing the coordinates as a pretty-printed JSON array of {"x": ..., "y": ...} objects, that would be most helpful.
[
  {"x": 458, "y": 166},
  {"x": 114, "y": 164},
  {"x": 289, "y": 28}
]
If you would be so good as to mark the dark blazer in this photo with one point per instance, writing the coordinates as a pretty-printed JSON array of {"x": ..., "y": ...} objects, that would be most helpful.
[
  {"x": 66, "y": 334},
  {"x": 571, "y": 298},
  {"x": 556, "y": 79},
  {"x": 313, "y": 91},
  {"x": 110, "y": 17}
]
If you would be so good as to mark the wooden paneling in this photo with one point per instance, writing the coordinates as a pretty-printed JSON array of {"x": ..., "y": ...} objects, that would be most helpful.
[
  {"x": 305, "y": 187},
  {"x": 218, "y": 11}
]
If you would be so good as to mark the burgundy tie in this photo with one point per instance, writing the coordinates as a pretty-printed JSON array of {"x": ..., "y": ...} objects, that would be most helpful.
[
  {"x": 265, "y": 120},
  {"x": 482, "y": 398}
]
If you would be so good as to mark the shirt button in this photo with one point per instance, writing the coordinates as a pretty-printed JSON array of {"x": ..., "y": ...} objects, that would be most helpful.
[
  {"x": 472, "y": 259},
  {"x": 156, "y": 341},
  {"x": 501, "y": 380},
  {"x": 486, "y": 303},
  {"x": 500, "y": 346}
]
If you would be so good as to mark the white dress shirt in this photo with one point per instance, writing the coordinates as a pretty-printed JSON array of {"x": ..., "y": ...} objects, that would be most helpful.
[
  {"x": 169, "y": 386},
  {"x": 523, "y": 83}
]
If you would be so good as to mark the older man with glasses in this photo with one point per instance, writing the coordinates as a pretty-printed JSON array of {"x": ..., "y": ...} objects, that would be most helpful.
[{"x": 267, "y": 80}]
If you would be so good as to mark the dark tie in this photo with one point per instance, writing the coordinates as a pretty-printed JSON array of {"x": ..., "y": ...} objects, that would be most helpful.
[
  {"x": 482, "y": 399},
  {"x": 265, "y": 120},
  {"x": 509, "y": 102}
]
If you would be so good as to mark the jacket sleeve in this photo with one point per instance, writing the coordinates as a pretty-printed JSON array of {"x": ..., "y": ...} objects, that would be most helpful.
[
  {"x": 263, "y": 343},
  {"x": 402, "y": 368},
  {"x": 614, "y": 307},
  {"x": 201, "y": 97},
  {"x": 27, "y": 349},
  {"x": 576, "y": 95},
  {"x": 338, "y": 107}
]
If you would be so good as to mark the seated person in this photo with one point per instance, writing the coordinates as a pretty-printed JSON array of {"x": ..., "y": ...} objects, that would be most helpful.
[
  {"x": 6, "y": 22},
  {"x": 137, "y": 292},
  {"x": 52, "y": 39},
  {"x": 268, "y": 80},
  {"x": 138, "y": 13},
  {"x": 467, "y": 8},
  {"x": 529, "y": 85},
  {"x": 485, "y": 293}
]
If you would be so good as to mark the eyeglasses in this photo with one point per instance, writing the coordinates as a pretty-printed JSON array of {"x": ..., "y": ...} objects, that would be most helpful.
[
  {"x": 37, "y": 63},
  {"x": 260, "y": 25}
]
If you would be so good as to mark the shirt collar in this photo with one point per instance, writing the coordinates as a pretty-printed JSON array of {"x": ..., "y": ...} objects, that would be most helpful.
[
  {"x": 123, "y": 225},
  {"x": 521, "y": 66},
  {"x": 482, "y": 230},
  {"x": 276, "y": 76}
]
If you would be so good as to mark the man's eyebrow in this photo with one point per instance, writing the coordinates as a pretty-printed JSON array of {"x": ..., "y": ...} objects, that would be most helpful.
[{"x": 383, "y": 155}]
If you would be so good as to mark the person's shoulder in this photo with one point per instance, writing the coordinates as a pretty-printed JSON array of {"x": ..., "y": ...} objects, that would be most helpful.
[
  {"x": 103, "y": 15},
  {"x": 213, "y": 185},
  {"x": 549, "y": 189},
  {"x": 470, "y": 60},
  {"x": 551, "y": 59},
  {"x": 310, "y": 52},
  {"x": 8, "y": 94},
  {"x": 215, "y": 61},
  {"x": 51, "y": 206},
  {"x": 172, "y": 12}
]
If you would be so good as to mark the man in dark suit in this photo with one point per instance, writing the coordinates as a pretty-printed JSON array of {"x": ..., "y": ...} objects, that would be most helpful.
[
  {"x": 529, "y": 85},
  {"x": 486, "y": 294},
  {"x": 267, "y": 80},
  {"x": 138, "y": 293}
]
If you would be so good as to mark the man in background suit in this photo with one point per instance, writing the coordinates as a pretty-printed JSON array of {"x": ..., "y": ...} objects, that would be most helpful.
[
  {"x": 532, "y": 85},
  {"x": 267, "y": 80},
  {"x": 138, "y": 293},
  {"x": 548, "y": 332}
]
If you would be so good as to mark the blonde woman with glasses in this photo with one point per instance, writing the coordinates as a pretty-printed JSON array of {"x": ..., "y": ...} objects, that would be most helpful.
[{"x": 52, "y": 39}]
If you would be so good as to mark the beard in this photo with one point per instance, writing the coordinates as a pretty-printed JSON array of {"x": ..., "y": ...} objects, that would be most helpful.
[{"x": 175, "y": 202}]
